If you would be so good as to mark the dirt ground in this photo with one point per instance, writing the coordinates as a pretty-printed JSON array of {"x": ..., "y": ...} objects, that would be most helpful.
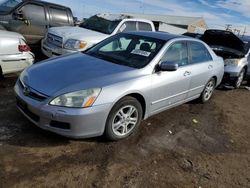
[{"x": 192, "y": 145}]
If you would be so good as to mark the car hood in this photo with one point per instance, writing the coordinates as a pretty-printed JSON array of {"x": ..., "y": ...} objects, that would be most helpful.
[
  {"x": 74, "y": 72},
  {"x": 78, "y": 33},
  {"x": 224, "y": 39}
]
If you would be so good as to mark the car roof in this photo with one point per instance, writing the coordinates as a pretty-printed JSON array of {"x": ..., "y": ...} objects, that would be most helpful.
[
  {"x": 46, "y": 2},
  {"x": 157, "y": 35}
]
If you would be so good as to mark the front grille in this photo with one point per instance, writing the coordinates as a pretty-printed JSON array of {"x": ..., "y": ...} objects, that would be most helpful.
[
  {"x": 23, "y": 106},
  {"x": 59, "y": 125},
  {"x": 32, "y": 93},
  {"x": 55, "y": 40}
]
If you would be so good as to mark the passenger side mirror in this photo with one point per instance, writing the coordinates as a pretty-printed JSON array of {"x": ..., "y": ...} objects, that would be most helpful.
[{"x": 168, "y": 66}]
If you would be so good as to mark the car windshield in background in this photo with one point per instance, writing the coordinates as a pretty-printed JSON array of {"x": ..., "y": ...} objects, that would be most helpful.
[
  {"x": 100, "y": 24},
  {"x": 8, "y": 5},
  {"x": 126, "y": 49}
]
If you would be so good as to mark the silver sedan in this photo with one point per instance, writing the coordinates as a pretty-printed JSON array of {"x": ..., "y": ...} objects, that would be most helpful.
[{"x": 110, "y": 88}]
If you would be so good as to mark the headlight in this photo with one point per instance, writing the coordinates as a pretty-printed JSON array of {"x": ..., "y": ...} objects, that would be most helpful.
[
  {"x": 232, "y": 61},
  {"x": 78, "y": 99},
  {"x": 73, "y": 44}
]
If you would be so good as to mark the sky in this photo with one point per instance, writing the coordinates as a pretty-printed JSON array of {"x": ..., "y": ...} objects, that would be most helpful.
[{"x": 217, "y": 13}]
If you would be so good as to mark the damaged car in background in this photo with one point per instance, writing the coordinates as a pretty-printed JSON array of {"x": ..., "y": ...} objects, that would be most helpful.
[
  {"x": 110, "y": 88},
  {"x": 15, "y": 54},
  {"x": 234, "y": 52}
]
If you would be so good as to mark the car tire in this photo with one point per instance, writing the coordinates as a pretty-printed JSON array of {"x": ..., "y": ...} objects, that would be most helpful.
[
  {"x": 208, "y": 91},
  {"x": 123, "y": 119},
  {"x": 248, "y": 82},
  {"x": 239, "y": 79},
  {"x": 1, "y": 73}
]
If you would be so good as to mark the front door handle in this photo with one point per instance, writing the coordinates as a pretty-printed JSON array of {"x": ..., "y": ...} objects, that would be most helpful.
[{"x": 187, "y": 73}]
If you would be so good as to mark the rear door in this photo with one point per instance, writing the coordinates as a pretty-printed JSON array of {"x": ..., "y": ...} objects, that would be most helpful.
[
  {"x": 201, "y": 67},
  {"x": 171, "y": 88}
]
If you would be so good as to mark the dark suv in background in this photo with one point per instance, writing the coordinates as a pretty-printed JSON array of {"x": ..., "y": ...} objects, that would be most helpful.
[{"x": 32, "y": 18}]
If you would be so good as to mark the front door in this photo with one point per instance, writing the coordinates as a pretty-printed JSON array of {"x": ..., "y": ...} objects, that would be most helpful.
[
  {"x": 31, "y": 22},
  {"x": 171, "y": 88}
]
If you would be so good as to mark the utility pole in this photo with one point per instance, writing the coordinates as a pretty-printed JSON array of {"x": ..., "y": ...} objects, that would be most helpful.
[
  {"x": 228, "y": 27},
  {"x": 142, "y": 6},
  {"x": 245, "y": 31}
]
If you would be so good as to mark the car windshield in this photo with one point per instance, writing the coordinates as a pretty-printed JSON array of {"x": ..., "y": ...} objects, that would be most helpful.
[
  {"x": 126, "y": 49},
  {"x": 7, "y": 5},
  {"x": 100, "y": 24}
]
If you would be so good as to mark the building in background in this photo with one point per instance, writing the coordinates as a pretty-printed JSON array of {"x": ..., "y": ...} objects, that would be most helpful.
[{"x": 175, "y": 24}]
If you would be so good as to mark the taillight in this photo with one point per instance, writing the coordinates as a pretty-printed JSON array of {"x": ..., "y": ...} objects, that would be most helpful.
[{"x": 23, "y": 48}]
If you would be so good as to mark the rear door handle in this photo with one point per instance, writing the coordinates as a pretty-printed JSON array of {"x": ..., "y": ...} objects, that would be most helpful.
[{"x": 187, "y": 73}]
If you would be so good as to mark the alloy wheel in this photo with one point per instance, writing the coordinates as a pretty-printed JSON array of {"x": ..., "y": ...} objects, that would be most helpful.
[
  {"x": 125, "y": 120},
  {"x": 209, "y": 90}
]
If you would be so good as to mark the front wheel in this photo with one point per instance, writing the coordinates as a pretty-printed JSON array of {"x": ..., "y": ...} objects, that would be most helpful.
[
  {"x": 123, "y": 119},
  {"x": 208, "y": 91},
  {"x": 239, "y": 79}
]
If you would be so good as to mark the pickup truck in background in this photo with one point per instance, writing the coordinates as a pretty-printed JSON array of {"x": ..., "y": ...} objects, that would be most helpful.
[
  {"x": 32, "y": 18},
  {"x": 62, "y": 40},
  {"x": 15, "y": 54}
]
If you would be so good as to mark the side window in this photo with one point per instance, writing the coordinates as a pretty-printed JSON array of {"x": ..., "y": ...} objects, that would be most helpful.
[
  {"x": 199, "y": 53},
  {"x": 142, "y": 26},
  {"x": 177, "y": 53},
  {"x": 58, "y": 15},
  {"x": 33, "y": 12},
  {"x": 117, "y": 45},
  {"x": 128, "y": 26}
]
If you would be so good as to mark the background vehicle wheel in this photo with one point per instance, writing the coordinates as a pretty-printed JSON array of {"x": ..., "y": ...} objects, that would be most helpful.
[
  {"x": 123, "y": 119},
  {"x": 208, "y": 91},
  {"x": 239, "y": 79},
  {"x": 248, "y": 82}
]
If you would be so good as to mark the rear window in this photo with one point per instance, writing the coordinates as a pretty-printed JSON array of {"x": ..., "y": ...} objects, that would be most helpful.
[
  {"x": 58, "y": 15},
  {"x": 144, "y": 26},
  {"x": 199, "y": 53}
]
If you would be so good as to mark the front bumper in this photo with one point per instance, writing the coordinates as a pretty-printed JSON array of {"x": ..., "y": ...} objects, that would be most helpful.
[
  {"x": 69, "y": 122},
  {"x": 231, "y": 74},
  {"x": 51, "y": 50}
]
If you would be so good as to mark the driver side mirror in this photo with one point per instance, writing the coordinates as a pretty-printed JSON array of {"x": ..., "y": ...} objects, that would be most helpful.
[{"x": 168, "y": 66}]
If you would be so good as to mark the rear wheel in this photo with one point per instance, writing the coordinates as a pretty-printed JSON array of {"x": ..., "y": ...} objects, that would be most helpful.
[
  {"x": 239, "y": 79},
  {"x": 123, "y": 119},
  {"x": 208, "y": 91}
]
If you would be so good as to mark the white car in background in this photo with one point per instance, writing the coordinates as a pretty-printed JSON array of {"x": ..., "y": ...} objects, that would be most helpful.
[
  {"x": 63, "y": 40},
  {"x": 15, "y": 54}
]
